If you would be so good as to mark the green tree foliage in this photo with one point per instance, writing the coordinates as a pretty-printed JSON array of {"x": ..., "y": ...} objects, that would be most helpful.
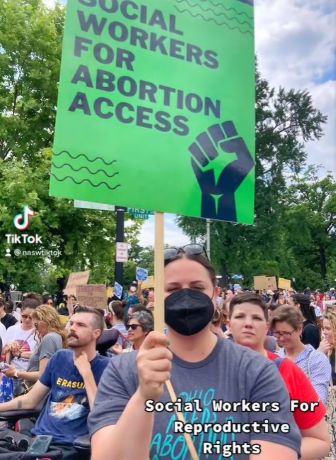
[
  {"x": 310, "y": 229},
  {"x": 84, "y": 238},
  {"x": 30, "y": 54},
  {"x": 285, "y": 121}
]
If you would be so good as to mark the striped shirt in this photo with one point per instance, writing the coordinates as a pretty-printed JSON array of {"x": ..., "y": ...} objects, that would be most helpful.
[{"x": 317, "y": 367}]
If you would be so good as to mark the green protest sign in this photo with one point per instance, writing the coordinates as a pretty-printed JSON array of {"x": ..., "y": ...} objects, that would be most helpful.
[{"x": 156, "y": 106}]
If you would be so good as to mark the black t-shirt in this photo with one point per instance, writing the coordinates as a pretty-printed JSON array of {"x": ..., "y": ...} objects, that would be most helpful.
[
  {"x": 8, "y": 320},
  {"x": 332, "y": 359},
  {"x": 311, "y": 334}
]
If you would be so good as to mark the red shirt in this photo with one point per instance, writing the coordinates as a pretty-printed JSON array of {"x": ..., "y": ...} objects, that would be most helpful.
[{"x": 300, "y": 389}]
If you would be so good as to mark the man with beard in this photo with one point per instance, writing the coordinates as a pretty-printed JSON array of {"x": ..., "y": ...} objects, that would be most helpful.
[{"x": 71, "y": 380}]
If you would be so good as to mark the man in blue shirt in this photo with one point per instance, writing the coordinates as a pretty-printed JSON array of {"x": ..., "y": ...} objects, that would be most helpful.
[{"x": 70, "y": 381}]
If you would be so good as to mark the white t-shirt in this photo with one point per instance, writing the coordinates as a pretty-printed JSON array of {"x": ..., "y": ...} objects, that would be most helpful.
[
  {"x": 2, "y": 331},
  {"x": 26, "y": 341}
]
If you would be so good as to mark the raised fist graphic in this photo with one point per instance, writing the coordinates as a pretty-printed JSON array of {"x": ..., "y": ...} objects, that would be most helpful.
[{"x": 217, "y": 178}]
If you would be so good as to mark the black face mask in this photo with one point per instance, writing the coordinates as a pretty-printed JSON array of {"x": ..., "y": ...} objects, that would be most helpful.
[{"x": 188, "y": 311}]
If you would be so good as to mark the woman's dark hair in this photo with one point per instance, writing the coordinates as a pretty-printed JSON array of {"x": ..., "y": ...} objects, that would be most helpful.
[
  {"x": 9, "y": 306},
  {"x": 248, "y": 297},
  {"x": 201, "y": 260},
  {"x": 307, "y": 311},
  {"x": 116, "y": 308},
  {"x": 31, "y": 300}
]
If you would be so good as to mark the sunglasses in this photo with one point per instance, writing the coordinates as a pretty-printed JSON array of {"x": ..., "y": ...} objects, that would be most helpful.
[
  {"x": 188, "y": 249},
  {"x": 133, "y": 326},
  {"x": 26, "y": 317}
]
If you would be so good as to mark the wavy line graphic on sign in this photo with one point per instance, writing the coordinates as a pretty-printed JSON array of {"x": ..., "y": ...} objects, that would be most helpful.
[
  {"x": 85, "y": 167},
  {"x": 85, "y": 180},
  {"x": 215, "y": 13},
  {"x": 74, "y": 157},
  {"x": 195, "y": 15},
  {"x": 220, "y": 5}
]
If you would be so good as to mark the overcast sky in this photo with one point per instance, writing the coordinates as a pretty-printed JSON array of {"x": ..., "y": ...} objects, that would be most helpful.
[{"x": 296, "y": 48}]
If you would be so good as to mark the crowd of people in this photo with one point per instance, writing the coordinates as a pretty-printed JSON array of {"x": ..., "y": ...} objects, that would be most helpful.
[{"x": 242, "y": 375}]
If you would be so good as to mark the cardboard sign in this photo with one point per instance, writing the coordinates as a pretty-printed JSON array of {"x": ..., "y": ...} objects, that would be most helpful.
[
  {"x": 283, "y": 283},
  {"x": 156, "y": 107},
  {"x": 76, "y": 279},
  {"x": 92, "y": 295},
  {"x": 265, "y": 282},
  {"x": 141, "y": 274}
]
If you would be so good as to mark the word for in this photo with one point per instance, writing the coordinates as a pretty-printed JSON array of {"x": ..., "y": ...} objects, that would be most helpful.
[
  {"x": 303, "y": 406},
  {"x": 231, "y": 449},
  {"x": 24, "y": 238},
  {"x": 231, "y": 427}
]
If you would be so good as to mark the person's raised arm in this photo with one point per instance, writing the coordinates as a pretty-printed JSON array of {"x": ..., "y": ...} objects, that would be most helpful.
[
  {"x": 30, "y": 400},
  {"x": 84, "y": 368},
  {"x": 315, "y": 442},
  {"x": 154, "y": 366},
  {"x": 271, "y": 450}
]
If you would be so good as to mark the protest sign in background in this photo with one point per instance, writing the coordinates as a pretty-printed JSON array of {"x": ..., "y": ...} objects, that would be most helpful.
[
  {"x": 92, "y": 295},
  {"x": 283, "y": 283},
  {"x": 76, "y": 279},
  {"x": 118, "y": 290},
  {"x": 156, "y": 107},
  {"x": 141, "y": 274},
  {"x": 265, "y": 282}
]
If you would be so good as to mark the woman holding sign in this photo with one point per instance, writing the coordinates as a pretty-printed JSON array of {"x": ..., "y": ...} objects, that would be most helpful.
[{"x": 232, "y": 399}]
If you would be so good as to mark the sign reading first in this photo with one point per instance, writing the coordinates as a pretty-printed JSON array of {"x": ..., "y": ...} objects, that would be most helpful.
[{"x": 156, "y": 106}]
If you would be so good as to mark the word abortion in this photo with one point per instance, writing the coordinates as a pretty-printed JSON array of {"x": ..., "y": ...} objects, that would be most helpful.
[{"x": 146, "y": 91}]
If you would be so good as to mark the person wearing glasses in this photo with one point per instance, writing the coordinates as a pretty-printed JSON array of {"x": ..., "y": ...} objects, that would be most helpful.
[
  {"x": 205, "y": 371},
  {"x": 287, "y": 325},
  {"x": 328, "y": 347},
  {"x": 52, "y": 338},
  {"x": 139, "y": 326},
  {"x": 249, "y": 325},
  {"x": 20, "y": 340},
  {"x": 19, "y": 343}
]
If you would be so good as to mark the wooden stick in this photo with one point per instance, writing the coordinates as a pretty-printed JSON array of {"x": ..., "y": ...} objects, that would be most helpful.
[
  {"x": 180, "y": 417},
  {"x": 159, "y": 323}
]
